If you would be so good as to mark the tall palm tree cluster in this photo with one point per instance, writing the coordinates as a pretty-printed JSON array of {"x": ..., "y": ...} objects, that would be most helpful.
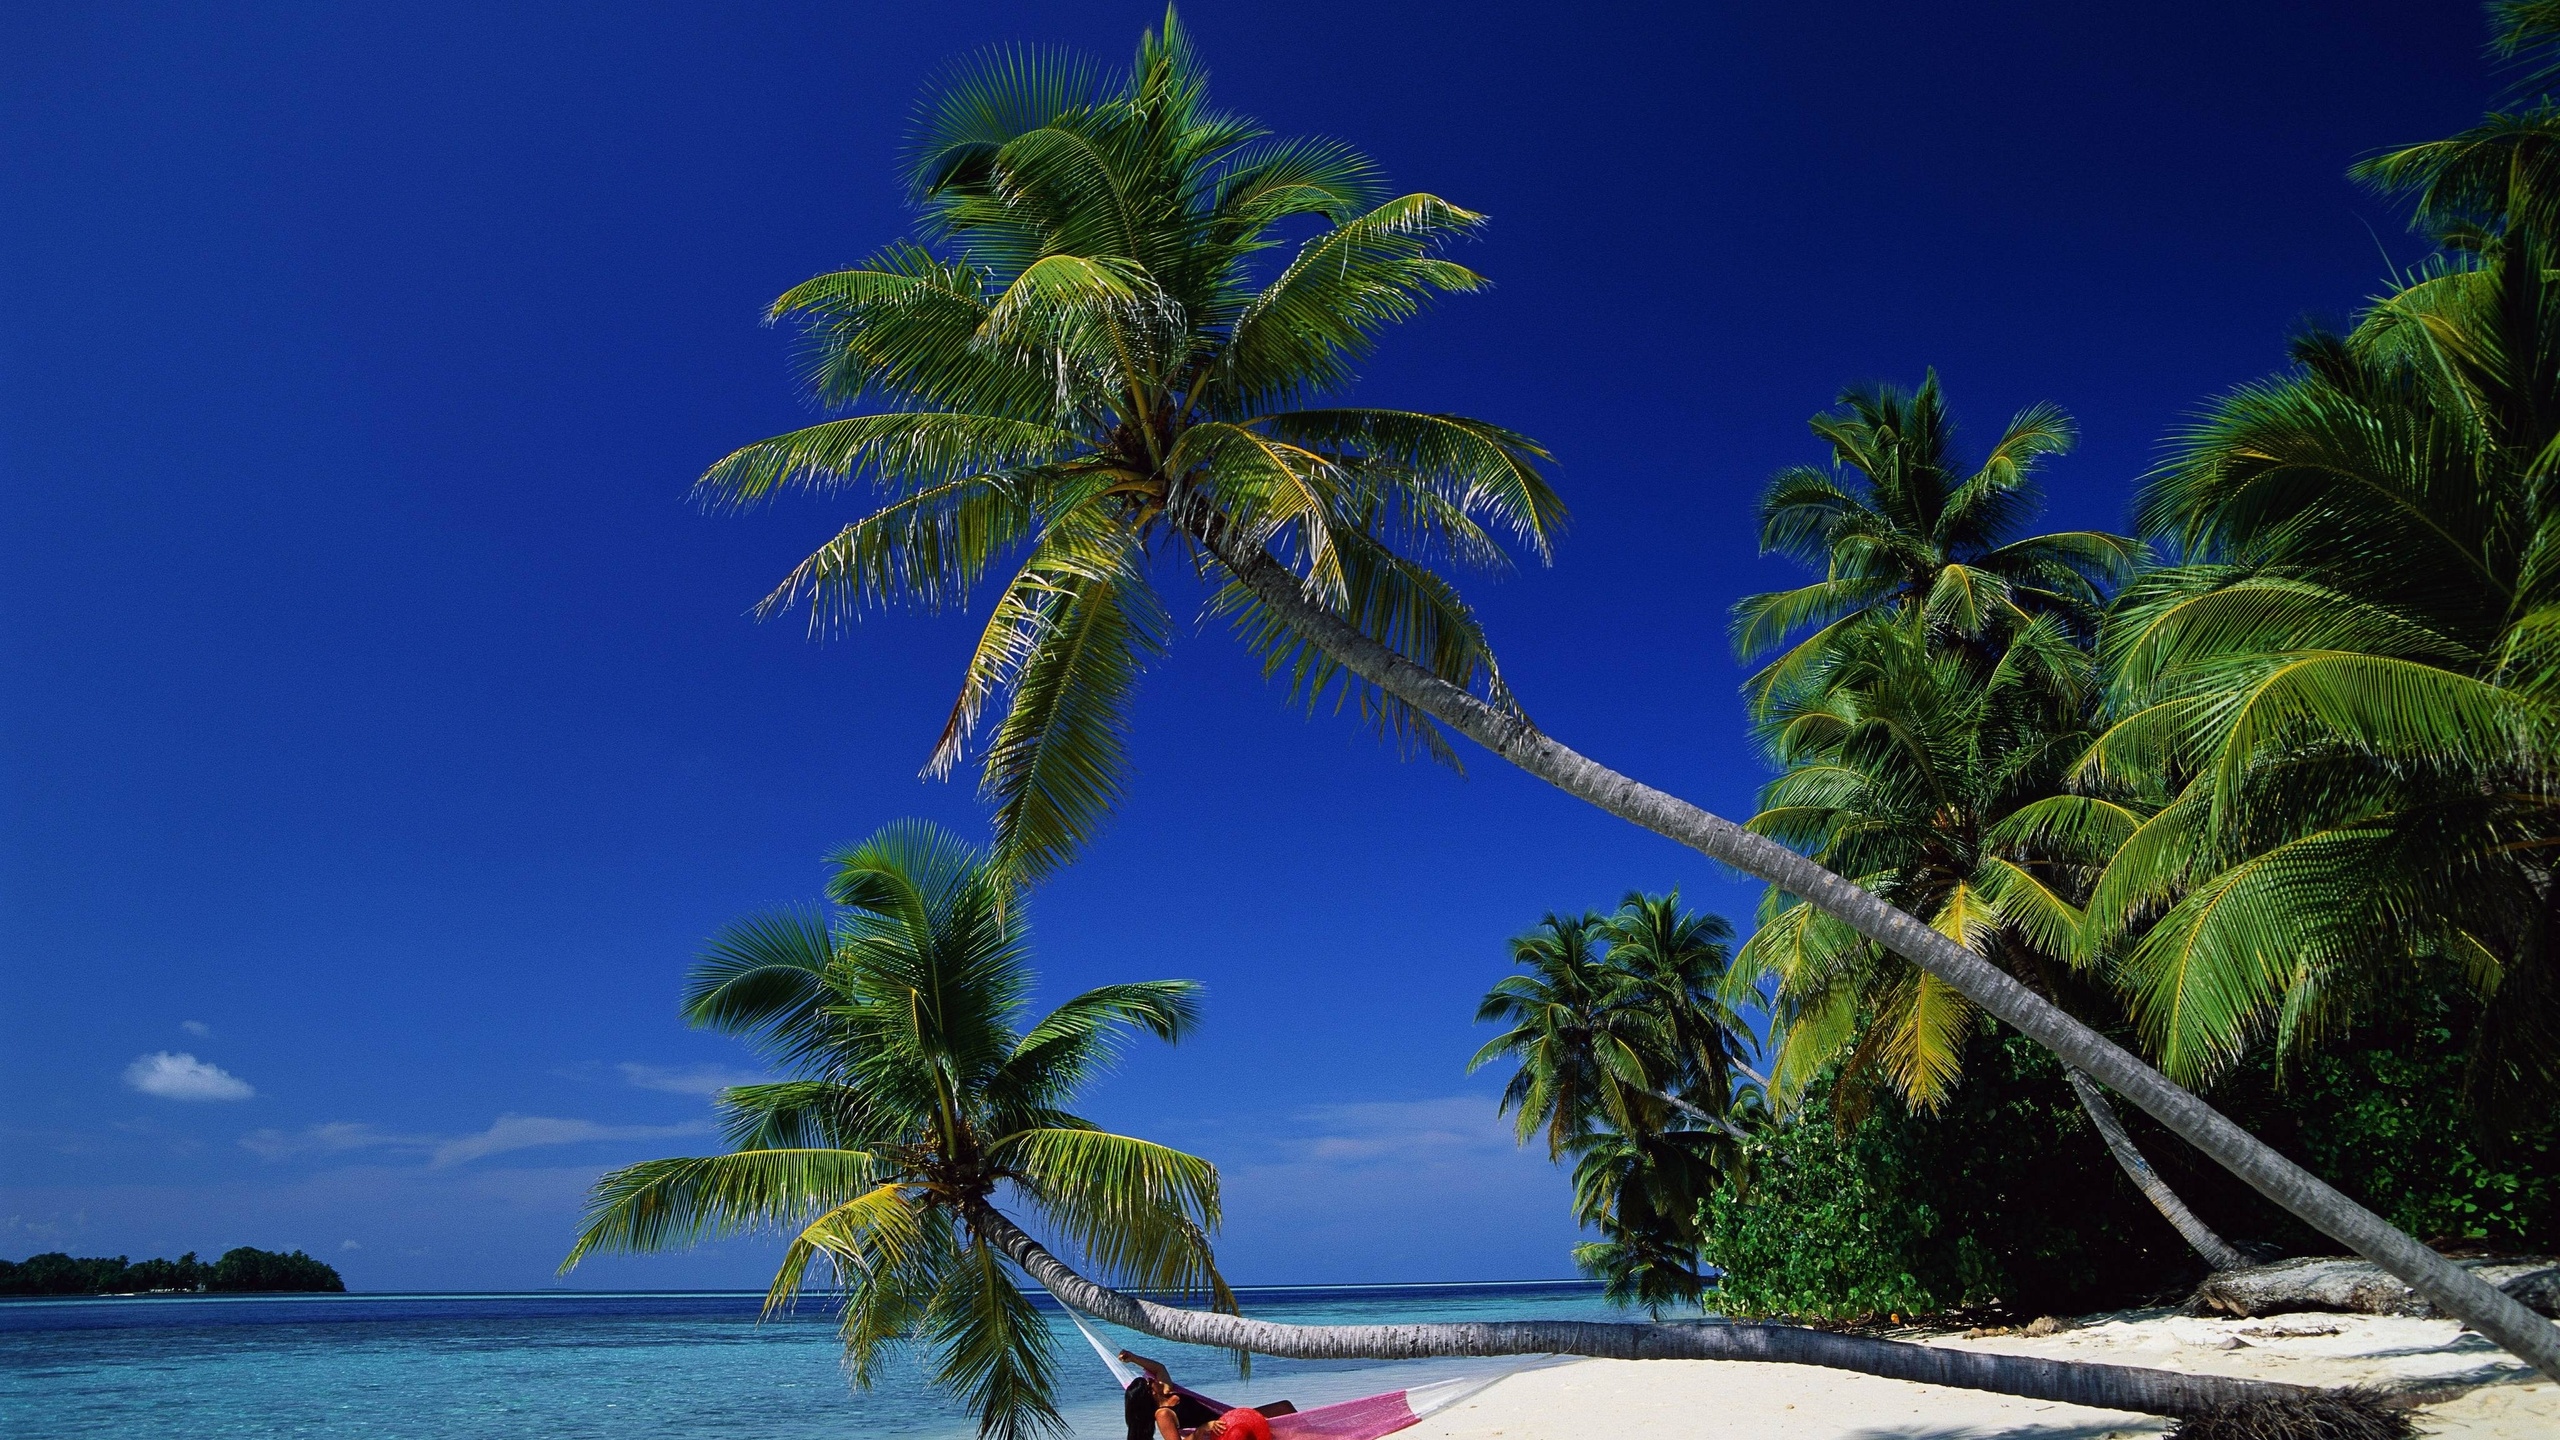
[
  {"x": 1626, "y": 1057},
  {"x": 2022, "y": 775},
  {"x": 2230, "y": 789}
]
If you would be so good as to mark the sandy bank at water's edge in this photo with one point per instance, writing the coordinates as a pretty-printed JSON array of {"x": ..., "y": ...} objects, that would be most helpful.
[{"x": 1690, "y": 1399}]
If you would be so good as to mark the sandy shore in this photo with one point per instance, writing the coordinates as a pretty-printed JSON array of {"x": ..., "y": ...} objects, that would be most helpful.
[{"x": 1688, "y": 1399}]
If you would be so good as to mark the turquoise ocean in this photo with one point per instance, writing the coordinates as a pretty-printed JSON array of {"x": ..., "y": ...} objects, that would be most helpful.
[{"x": 561, "y": 1365}]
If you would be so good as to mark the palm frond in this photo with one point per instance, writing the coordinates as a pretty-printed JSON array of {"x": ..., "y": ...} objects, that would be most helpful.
[
  {"x": 661, "y": 1204},
  {"x": 766, "y": 977},
  {"x": 1138, "y": 1210},
  {"x": 1301, "y": 334},
  {"x": 993, "y": 1349},
  {"x": 903, "y": 451},
  {"x": 1054, "y": 768}
]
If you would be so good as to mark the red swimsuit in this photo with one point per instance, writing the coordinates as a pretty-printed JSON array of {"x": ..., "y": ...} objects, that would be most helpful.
[{"x": 1242, "y": 1424}]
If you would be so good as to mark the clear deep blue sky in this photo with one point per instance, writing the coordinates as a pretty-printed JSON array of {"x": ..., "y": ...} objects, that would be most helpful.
[{"x": 383, "y": 728}]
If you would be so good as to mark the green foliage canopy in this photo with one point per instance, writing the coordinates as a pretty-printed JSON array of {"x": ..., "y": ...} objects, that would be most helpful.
[
  {"x": 921, "y": 1093},
  {"x": 1624, "y": 1052},
  {"x": 1088, "y": 360}
]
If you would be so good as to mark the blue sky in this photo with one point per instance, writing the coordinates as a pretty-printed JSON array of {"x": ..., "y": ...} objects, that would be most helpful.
[{"x": 384, "y": 731}]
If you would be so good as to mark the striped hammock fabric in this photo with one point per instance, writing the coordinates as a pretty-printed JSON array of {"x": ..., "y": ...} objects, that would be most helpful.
[{"x": 1363, "y": 1419}]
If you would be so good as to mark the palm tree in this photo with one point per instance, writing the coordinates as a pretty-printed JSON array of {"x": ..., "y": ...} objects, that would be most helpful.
[
  {"x": 1581, "y": 1052},
  {"x": 1914, "y": 534},
  {"x": 2313, "y": 1413},
  {"x": 920, "y": 1102},
  {"x": 1935, "y": 783},
  {"x": 2336, "y": 728},
  {"x": 1094, "y": 371},
  {"x": 1641, "y": 1188},
  {"x": 2339, "y": 722},
  {"x": 1623, "y": 1052},
  {"x": 1676, "y": 961},
  {"x": 1089, "y": 373},
  {"x": 2470, "y": 187}
]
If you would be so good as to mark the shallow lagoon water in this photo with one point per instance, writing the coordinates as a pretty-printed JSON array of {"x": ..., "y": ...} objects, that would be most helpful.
[{"x": 565, "y": 1364}]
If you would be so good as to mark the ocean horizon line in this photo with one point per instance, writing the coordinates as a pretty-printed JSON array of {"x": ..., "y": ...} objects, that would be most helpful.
[{"x": 563, "y": 1292}]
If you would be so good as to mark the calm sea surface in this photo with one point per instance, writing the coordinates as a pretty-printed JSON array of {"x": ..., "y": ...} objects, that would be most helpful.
[{"x": 466, "y": 1367}]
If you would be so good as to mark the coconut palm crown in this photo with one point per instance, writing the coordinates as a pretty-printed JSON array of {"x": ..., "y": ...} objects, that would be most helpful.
[
  {"x": 919, "y": 1101},
  {"x": 1087, "y": 359},
  {"x": 1898, "y": 526},
  {"x": 1925, "y": 781}
]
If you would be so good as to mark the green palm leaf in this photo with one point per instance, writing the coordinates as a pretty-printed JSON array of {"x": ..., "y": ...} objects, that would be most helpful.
[
  {"x": 923, "y": 1088},
  {"x": 1139, "y": 1210},
  {"x": 1054, "y": 768},
  {"x": 660, "y": 1204}
]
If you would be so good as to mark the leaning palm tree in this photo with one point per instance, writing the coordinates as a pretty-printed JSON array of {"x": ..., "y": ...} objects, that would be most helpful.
[
  {"x": 923, "y": 1111},
  {"x": 1077, "y": 370},
  {"x": 920, "y": 1102},
  {"x": 2296, "y": 1410},
  {"x": 1086, "y": 369},
  {"x": 1898, "y": 525}
]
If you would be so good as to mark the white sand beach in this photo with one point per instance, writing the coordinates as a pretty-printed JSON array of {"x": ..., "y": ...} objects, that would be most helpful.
[{"x": 1690, "y": 1399}]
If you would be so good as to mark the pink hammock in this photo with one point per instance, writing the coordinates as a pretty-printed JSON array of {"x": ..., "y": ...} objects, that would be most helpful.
[{"x": 1364, "y": 1419}]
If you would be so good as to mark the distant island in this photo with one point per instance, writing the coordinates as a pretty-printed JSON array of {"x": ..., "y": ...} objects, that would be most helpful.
[{"x": 240, "y": 1271}]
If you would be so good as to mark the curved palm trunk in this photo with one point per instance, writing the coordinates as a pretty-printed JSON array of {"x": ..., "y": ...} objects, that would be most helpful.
[
  {"x": 1509, "y": 734},
  {"x": 2105, "y": 1387},
  {"x": 2217, "y": 1252},
  {"x": 1696, "y": 1113}
]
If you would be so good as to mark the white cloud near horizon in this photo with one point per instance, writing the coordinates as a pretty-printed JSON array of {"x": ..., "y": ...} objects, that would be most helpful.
[
  {"x": 1404, "y": 1130},
  {"x": 528, "y": 1132},
  {"x": 180, "y": 1076},
  {"x": 508, "y": 1132},
  {"x": 685, "y": 1079},
  {"x": 336, "y": 1137}
]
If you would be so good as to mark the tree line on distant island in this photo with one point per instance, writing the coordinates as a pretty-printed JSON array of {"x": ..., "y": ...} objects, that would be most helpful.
[{"x": 241, "y": 1270}]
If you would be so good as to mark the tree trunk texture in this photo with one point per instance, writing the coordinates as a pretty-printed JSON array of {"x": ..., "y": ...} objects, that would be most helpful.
[
  {"x": 2359, "y": 1287},
  {"x": 1697, "y": 1113},
  {"x": 2104, "y": 1387},
  {"x": 2217, "y": 1252},
  {"x": 1508, "y": 733}
]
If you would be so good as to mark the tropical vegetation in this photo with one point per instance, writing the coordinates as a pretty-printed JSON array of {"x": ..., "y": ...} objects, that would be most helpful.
[
  {"x": 923, "y": 1097},
  {"x": 1089, "y": 363},
  {"x": 1084, "y": 364},
  {"x": 1624, "y": 1056},
  {"x": 2281, "y": 816}
]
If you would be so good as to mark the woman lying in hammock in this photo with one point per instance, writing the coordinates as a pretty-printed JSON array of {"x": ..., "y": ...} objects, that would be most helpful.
[{"x": 1157, "y": 1409}]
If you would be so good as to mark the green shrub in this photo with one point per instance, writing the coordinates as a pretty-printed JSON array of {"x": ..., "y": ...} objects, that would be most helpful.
[{"x": 2007, "y": 1197}]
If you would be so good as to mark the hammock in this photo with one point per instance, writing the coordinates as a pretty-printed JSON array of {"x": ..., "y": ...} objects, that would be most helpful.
[{"x": 1364, "y": 1419}]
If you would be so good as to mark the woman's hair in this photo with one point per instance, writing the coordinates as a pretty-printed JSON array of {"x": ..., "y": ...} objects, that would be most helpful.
[{"x": 1139, "y": 1407}]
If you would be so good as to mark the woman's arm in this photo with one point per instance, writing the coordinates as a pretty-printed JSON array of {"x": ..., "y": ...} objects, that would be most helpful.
[
  {"x": 1152, "y": 1367},
  {"x": 1167, "y": 1427}
]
